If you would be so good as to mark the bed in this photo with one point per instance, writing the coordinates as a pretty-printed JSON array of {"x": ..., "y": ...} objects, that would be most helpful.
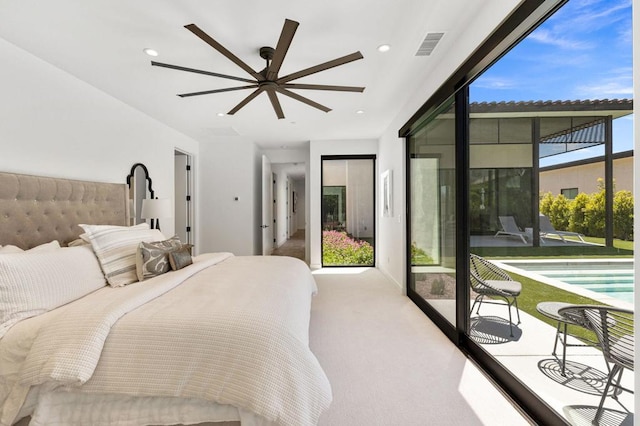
[{"x": 220, "y": 338}]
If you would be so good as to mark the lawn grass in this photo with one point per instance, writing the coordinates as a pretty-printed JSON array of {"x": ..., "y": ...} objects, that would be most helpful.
[
  {"x": 619, "y": 244},
  {"x": 620, "y": 249},
  {"x": 534, "y": 292}
]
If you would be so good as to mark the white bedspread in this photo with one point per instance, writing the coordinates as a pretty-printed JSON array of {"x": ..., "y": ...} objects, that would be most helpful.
[{"x": 234, "y": 333}]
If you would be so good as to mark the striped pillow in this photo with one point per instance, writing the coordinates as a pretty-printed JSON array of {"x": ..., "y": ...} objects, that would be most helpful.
[
  {"x": 32, "y": 283},
  {"x": 115, "y": 247}
]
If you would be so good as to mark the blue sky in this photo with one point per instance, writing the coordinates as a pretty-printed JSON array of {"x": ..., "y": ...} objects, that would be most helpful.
[{"x": 584, "y": 51}]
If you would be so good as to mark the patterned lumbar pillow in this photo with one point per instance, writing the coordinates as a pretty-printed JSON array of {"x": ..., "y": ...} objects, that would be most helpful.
[
  {"x": 152, "y": 258},
  {"x": 181, "y": 257}
]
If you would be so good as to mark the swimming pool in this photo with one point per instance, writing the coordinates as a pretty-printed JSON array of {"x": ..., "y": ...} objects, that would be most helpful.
[{"x": 612, "y": 278}]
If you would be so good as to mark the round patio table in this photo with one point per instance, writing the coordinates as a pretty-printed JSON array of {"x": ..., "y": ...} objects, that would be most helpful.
[{"x": 550, "y": 310}]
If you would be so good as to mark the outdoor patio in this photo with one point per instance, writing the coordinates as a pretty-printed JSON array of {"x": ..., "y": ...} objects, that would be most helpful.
[{"x": 528, "y": 355}]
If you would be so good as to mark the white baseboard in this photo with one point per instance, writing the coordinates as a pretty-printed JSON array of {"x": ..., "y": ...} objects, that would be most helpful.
[{"x": 401, "y": 288}]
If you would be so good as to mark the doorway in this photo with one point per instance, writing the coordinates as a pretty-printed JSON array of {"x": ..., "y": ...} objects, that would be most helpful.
[
  {"x": 183, "y": 214},
  {"x": 348, "y": 210}
]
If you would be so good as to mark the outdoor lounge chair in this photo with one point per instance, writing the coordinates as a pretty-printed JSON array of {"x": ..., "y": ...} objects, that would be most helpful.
[
  {"x": 489, "y": 280},
  {"x": 546, "y": 229},
  {"x": 614, "y": 329},
  {"x": 509, "y": 227}
]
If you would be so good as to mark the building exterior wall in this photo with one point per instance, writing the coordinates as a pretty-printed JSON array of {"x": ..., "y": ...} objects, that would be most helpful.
[{"x": 585, "y": 177}]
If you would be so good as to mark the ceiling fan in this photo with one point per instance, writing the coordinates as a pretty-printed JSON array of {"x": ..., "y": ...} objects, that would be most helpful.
[{"x": 268, "y": 79}]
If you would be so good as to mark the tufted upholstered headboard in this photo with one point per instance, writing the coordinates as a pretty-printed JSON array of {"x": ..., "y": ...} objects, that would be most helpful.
[{"x": 35, "y": 209}]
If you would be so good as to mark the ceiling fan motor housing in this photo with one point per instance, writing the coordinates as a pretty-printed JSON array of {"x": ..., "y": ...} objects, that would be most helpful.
[{"x": 267, "y": 52}]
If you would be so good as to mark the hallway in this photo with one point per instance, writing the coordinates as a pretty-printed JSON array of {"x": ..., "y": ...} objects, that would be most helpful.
[{"x": 294, "y": 247}]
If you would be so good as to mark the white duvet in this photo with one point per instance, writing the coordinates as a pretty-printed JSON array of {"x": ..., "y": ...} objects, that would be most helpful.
[{"x": 235, "y": 332}]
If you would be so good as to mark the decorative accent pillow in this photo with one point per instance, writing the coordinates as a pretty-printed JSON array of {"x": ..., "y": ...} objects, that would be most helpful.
[
  {"x": 34, "y": 282},
  {"x": 116, "y": 246},
  {"x": 152, "y": 259},
  {"x": 181, "y": 257}
]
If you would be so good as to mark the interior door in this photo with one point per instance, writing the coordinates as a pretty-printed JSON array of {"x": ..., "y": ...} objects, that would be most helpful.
[
  {"x": 182, "y": 197},
  {"x": 267, "y": 207}
]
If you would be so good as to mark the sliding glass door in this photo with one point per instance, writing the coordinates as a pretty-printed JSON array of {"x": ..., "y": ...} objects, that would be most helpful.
[
  {"x": 348, "y": 211},
  {"x": 432, "y": 224}
]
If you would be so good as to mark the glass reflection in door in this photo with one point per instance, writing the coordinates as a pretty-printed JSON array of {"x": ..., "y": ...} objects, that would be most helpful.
[{"x": 432, "y": 232}]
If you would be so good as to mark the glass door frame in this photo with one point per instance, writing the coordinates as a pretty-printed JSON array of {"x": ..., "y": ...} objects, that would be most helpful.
[
  {"x": 517, "y": 26},
  {"x": 375, "y": 217}
]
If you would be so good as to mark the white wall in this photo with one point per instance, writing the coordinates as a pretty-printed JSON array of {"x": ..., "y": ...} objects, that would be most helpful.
[
  {"x": 229, "y": 170},
  {"x": 316, "y": 150},
  {"x": 53, "y": 124},
  {"x": 391, "y": 231}
]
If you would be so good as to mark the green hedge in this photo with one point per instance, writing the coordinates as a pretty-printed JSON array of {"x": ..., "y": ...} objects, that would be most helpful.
[{"x": 585, "y": 213}]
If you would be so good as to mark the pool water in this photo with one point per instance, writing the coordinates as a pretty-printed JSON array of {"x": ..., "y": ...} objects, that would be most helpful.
[{"x": 614, "y": 279}]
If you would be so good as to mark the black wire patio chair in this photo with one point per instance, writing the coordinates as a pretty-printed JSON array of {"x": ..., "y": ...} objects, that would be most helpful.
[
  {"x": 489, "y": 280},
  {"x": 614, "y": 329}
]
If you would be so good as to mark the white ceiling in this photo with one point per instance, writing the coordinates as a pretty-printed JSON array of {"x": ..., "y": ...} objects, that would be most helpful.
[{"x": 101, "y": 43}]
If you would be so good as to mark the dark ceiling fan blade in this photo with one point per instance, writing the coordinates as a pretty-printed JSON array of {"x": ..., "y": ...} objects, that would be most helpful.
[
  {"x": 246, "y": 100},
  {"x": 323, "y": 87},
  {"x": 302, "y": 99},
  {"x": 214, "y": 74},
  {"x": 207, "y": 92},
  {"x": 288, "y": 31},
  {"x": 233, "y": 58},
  {"x": 321, "y": 67},
  {"x": 275, "y": 102}
]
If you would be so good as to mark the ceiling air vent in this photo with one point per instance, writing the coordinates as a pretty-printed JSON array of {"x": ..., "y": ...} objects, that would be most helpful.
[{"x": 429, "y": 43}]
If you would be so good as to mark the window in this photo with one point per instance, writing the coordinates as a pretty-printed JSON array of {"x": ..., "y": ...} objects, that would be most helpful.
[
  {"x": 348, "y": 211},
  {"x": 569, "y": 193}
]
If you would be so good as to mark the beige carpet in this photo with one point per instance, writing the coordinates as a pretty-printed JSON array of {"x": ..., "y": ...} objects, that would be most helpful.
[{"x": 389, "y": 365}]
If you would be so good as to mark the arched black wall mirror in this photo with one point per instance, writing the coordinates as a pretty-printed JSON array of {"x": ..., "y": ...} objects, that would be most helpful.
[{"x": 139, "y": 188}]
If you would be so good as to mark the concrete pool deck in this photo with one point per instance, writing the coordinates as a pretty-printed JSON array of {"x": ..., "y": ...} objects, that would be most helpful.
[
  {"x": 576, "y": 395},
  {"x": 527, "y": 355}
]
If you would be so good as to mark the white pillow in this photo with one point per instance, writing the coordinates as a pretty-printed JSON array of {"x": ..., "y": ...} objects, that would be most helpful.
[
  {"x": 32, "y": 283},
  {"x": 115, "y": 247},
  {"x": 52, "y": 245},
  {"x": 10, "y": 249}
]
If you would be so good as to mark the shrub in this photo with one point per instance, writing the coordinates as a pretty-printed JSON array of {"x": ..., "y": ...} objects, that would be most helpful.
[
  {"x": 340, "y": 249},
  {"x": 559, "y": 212},
  {"x": 623, "y": 215},
  {"x": 577, "y": 209},
  {"x": 437, "y": 287},
  {"x": 586, "y": 213},
  {"x": 546, "y": 201},
  {"x": 594, "y": 214},
  {"x": 419, "y": 256}
]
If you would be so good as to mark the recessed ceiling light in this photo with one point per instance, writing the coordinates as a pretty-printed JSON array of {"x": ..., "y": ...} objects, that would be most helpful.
[
  {"x": 150, "y": 52},
  {"x": 360, "y": 111},
  {"x": 221, "y": 114},
  {"x": 384, "y": 48}
]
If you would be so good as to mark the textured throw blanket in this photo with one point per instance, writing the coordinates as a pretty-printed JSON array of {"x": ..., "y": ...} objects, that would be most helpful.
[{"x": 235, "y": 332}]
